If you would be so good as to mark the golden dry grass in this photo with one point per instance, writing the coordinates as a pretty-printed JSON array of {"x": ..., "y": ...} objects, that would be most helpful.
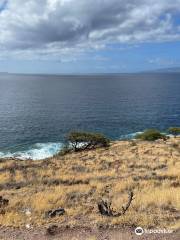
[{"x": 77, "y": 181}]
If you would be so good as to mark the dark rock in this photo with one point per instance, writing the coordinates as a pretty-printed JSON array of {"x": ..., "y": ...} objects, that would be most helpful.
[
  {"x": 55, "y": 213},
  {"x": 3, "y": 202},
  {"x": 2, "y": 211},
  {"x": 52, "y": 230}
]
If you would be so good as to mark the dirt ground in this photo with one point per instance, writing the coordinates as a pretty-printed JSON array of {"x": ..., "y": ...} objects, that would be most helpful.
[{"x": 82, "y": 234}]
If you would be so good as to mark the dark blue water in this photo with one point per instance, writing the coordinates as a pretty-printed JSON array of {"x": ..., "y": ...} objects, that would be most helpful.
[{"x": 42, "y": 109}]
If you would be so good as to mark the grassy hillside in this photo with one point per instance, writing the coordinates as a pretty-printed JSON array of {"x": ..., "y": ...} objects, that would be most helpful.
[{"x": 78, "y": 181}]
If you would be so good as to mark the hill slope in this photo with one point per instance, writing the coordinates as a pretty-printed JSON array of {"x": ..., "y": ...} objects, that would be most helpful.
[{"x": 78, "y": 181}]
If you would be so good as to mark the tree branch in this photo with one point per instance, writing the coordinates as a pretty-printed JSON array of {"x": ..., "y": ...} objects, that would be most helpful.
[{"x": 106, "y": 210}]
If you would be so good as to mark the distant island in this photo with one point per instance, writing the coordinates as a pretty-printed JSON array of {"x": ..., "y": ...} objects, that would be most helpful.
[
  {"x": 2, "y": 73},
  {"x": 168, "y": 70}
]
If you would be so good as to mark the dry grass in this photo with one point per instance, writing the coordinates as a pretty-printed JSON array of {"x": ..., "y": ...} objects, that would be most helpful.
[{"x": 77, "y": 181}]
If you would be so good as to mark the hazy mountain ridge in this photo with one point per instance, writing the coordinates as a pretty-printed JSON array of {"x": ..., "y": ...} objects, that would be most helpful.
[{"x": 170, "y": 70}]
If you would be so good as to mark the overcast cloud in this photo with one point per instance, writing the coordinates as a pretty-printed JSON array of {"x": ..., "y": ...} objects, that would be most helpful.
[{"x": 41, "y": 28}]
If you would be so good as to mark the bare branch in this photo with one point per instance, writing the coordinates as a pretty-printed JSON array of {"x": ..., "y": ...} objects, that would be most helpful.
[
  {"x": 106, "y": 210},
  {"x": 130, "y": 198}
]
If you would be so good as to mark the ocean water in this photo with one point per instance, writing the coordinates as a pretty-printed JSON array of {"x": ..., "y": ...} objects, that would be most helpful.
[{"x": 37, "y": 111}]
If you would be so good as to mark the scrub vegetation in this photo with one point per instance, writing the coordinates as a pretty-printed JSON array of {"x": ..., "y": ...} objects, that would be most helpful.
[
  {"x": 80, "y": 141},
  {"x": 151, "y": 135},
  {"x": 174, "y": 131},
  {"x": 78, "y": 181}
]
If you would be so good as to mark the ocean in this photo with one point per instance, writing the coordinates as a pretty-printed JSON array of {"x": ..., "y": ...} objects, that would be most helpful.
[{"x": 37, "y": 111}]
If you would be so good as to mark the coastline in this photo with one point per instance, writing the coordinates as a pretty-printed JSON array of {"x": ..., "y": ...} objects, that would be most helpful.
[
  {"x": 43, "y": 151},
  {"x": 77, "y": 181}
]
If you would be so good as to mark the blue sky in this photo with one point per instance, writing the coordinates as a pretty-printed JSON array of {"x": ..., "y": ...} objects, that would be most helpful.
[
  {"x": 68, "y": 36},
  {"x": 3, "y": 5}
]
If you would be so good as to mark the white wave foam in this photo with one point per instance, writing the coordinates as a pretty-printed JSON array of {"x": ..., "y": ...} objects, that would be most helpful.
[
  {"x": 130, "y": 135},
  {"x": 37, "y": 151},
  {"x": 133, "y": 135}
]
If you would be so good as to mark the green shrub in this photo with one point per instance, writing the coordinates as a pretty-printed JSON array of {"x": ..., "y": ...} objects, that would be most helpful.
[
  {"x": 150, "y": 135},
  {"x": 86, "y": 140},
  {"x": 174, "y": 131}
]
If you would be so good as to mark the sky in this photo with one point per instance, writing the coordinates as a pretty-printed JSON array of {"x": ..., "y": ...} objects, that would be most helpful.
[{"x": 88, "y": 36}]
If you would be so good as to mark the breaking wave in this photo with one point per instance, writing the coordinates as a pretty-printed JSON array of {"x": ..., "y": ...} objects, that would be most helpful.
[
  {"x": 129, "y": 136},
  {"x": 37, "y": 151}
]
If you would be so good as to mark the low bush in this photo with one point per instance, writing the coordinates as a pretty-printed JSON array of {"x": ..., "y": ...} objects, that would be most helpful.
[
  {"x": 86, "y": 140},
  {"x": 151, "y": 135},
  {"x": 174, "y": 131}
]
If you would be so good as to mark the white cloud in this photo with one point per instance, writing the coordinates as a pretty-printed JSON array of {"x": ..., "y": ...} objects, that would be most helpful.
[{"x": 60, "y": 28}]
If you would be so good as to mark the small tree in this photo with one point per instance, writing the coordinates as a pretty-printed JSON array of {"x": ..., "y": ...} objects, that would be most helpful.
[
  {"x": 85, "y": 140},
  {"x": 151, "y": 135},
  {"x": 174, "y": 131}
]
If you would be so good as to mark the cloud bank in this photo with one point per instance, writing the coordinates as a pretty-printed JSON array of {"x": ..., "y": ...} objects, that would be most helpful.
[{"x": 59, "y": 28}]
